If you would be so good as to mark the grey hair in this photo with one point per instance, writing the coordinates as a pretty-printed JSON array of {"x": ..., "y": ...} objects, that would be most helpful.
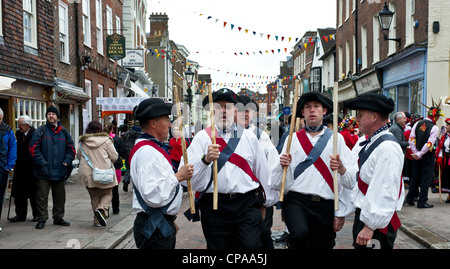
[
  {"x": 26, "y": 119},
  {"x": 1, "y": 112},
  {"x": 398, "y": 115}
]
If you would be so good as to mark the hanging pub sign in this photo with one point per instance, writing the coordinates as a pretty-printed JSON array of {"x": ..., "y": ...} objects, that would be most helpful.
[
  {"x": 133, "y": 58},
  {"x": 115, "y": 46}
]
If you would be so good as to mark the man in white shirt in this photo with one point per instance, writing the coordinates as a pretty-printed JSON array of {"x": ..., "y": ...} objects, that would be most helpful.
[
  {"x": 377, "y": 188},
  {"x": 243, "y": 173},
  {"x": 308, "y": 207},
  {"x": 246, "y": 113},
  {"x": 157, "y": 193}
]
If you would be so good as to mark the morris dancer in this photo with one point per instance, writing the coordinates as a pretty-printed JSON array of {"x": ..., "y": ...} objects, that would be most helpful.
[
  {"x": 421, "y": 141},
  {"x": 308, "y": 207},
  {"x": 245, "y": 115},
  {"x": 378, "y": 186},
  {"x": 243, "y": 170},
  {"x": 157, "y": 193}
]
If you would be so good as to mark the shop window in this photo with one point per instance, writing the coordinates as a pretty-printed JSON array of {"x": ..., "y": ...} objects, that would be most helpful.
[
  {"x": 416, "y": 97},
  {"x": 34, "y": 109}
]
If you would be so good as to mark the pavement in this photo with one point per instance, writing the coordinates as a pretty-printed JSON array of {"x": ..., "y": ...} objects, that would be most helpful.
[{"x": 429, "y": 227}]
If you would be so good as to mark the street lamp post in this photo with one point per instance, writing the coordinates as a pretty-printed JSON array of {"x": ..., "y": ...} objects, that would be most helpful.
[
  {"x": 385, "y": 17},
  {"x": 189, "y": 74}
]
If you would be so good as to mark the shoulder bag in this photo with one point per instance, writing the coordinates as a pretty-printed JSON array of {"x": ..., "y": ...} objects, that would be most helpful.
[{"x": 102, "y": 176}]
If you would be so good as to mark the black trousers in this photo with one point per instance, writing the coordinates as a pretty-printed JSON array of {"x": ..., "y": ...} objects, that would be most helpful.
[
  {"x": 309, "y": 220},
  {"x": 386, "y": 241},
  {"x": 24, "y": 188},
  {"x": 237, "y": 222},
  {"x": 421, "y": 177},
  {"x": 156, "y": 241},
  {"x": 266, "y": 233}
]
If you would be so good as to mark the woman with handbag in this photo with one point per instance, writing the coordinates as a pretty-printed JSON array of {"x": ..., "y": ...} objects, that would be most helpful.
[{"x": 97, "y": 153}]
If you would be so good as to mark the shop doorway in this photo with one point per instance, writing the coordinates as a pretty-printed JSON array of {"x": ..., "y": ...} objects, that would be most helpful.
[{"x": 8, "y": 118}]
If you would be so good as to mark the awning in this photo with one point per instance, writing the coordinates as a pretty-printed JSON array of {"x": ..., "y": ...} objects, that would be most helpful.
[
  {"x": 5, "y": 83},
  {"x": 135, "y": 88},
  {"x": 69, "y": 90}
]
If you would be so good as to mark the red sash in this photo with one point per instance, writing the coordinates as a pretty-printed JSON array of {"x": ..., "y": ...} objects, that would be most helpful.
[
  {"x": 319, "y": 163},
  {"x": 395, "y": 220},
  {"x": 236, "y": 159},
  {"x": 152, "y": 144}
]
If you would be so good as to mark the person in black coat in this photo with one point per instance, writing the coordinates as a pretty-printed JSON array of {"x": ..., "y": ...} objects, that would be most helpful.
[
  {"x": 24, "y": 184},
  {"x": 53, "y": 151}
]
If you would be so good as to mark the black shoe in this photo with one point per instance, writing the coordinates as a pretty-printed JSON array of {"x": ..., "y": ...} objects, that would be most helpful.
[
  {"x": 100, "y": 217},
  {"x": 117, "y": 210},
  {"x": 16, "y": 219},
  {"x": 411, "y": 203},
  {"x": 125, "y": 187},
  {"x": 40, "y": 224},
  {"x": 425, "y": 206},
  {"x": 61, "y": 222}
]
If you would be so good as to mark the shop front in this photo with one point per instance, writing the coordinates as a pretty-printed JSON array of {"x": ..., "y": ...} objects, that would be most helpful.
[
  {"x": 70, "y": 99},
  {"x": 404, "y": 80},
  {"x": 25, "y": 98}
]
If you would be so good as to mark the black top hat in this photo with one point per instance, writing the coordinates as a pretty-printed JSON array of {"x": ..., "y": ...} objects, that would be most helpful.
[
  {"x": 152, "y": 108},
  {"x": 371, "y": 101},
  {"x": 248, "y": 101},
  {"x": 223, "y": 94},
  {"x": 313, "y": 96}
]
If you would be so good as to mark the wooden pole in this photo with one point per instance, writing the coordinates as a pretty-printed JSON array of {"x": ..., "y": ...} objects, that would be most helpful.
[
  {"x": 335, "y": 138},
  {"x": 213, "y": 138},
  {"x": 288, "y": 146},
  {"x": 183, "y": 146},
  {"x": 297, "y": 124}
]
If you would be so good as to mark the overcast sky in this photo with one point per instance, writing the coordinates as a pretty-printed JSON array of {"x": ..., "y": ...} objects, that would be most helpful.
[{"x": 213, "y": 46}]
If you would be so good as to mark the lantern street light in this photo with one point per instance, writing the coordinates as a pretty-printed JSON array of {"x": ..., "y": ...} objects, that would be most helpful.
[
  {"x": 385, "y": 17},
  {"x": 189, "y": 79},
  {"x": 189, "y": 75}
]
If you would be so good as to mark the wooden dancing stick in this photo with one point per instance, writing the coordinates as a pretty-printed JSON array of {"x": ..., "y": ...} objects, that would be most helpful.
[
  {"x": 213, "y": 138},
  {"x": 288, "y": 146},
  {"x": 297, "y": 124},
  {"x": 335, "y": 138},
  {"x": 183, "y": 146}
]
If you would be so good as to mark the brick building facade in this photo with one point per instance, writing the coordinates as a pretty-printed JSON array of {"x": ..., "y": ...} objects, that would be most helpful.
[
  {"x": 26, "y": 53},
  {"x": 366, "y": 62}
]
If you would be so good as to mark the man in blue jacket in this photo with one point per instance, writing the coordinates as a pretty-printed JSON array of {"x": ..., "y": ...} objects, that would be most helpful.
[
  {"x": 53, "y": 152},
  {"x": 8, "y": 156}
]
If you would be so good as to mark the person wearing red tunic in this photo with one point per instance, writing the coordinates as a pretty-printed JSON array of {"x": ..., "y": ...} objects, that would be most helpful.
[
  {"x": 347, "y": 127},
  {"x": 176, "y": 150}
]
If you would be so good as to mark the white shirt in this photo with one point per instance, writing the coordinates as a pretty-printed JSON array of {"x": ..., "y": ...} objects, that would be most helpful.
[
  {"x": 231, "y": 179},
  {"x": 311, "y": 182},
  {"x": 271, "y": 154},
  {"x": 382, "y": 171},
  {"x": 155, "y": 180}
]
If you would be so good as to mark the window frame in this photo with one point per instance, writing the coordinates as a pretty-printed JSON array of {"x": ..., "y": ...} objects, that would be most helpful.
[{"x": 64, "y": 58}]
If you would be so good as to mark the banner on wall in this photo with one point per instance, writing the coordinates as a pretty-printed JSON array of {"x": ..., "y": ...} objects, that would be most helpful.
[{"x": 117, "y": 105}]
